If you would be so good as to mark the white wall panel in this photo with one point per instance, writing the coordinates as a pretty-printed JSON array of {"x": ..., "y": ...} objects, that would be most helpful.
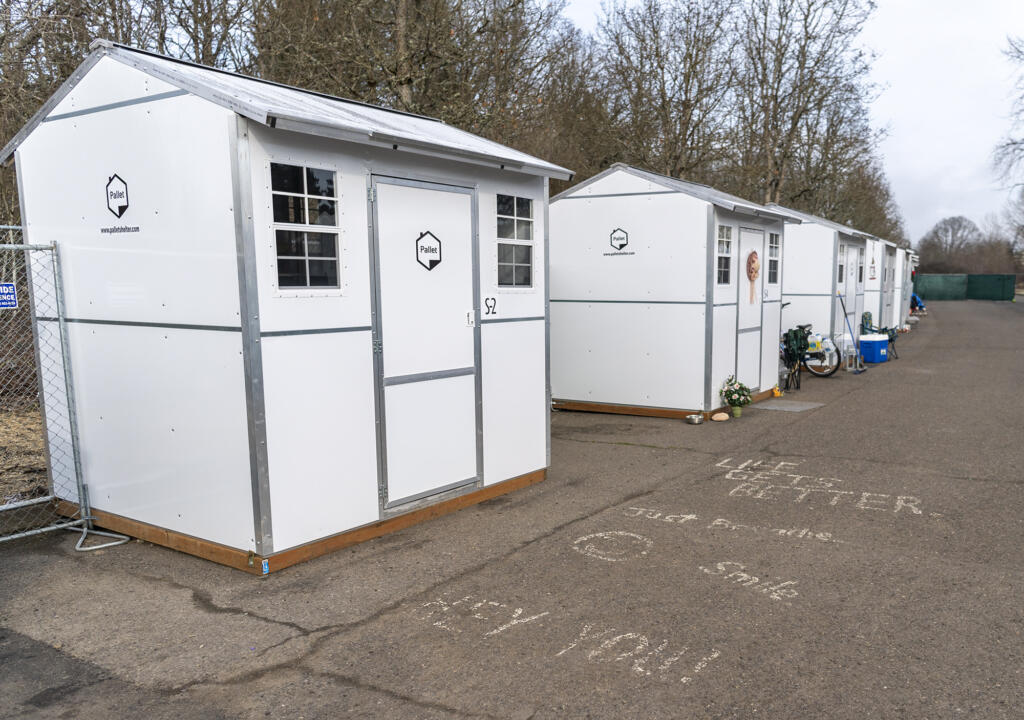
[
  {"x": 664, "y": 260},
  {"x": 321, "y": 437},
  {"x": 162, "y": 419},
  {"x": 628, "y": 354},
  {"x": 180, "y": 266},
  {"x": 723, "y": 358},
  {"x": 107, "y": 82},
  {"x": 514, "y": 399},
  {"x": 771, "y": 329},
  {"x": 808, "y": 253},
  {"x": 619, "y": 182}
]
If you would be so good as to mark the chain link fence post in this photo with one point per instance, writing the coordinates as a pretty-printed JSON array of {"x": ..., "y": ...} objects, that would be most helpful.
[{"x": 41, "y": 485}]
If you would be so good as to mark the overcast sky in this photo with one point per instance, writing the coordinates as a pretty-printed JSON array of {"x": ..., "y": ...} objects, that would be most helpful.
[{"x": 946, "y": 92}]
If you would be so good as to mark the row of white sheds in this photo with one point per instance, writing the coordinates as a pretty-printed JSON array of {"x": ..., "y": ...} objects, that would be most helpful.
[
  {"x": 291, "y": 316},
  {"x": 661, "y": 289}
]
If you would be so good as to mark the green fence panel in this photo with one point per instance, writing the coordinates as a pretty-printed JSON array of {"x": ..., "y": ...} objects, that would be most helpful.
[
  {"x": 941, "y": 287},
  {"x": 990, "y": 287}
]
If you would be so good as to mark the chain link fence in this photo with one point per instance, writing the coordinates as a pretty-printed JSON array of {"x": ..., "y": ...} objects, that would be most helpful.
[{"x": 40, "y": 472}]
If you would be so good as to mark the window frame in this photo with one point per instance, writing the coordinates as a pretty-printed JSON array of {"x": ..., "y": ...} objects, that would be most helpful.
[
  {"x": 726, "y": 256},
  {"x": 841, "y": 263},
  {"x": 530, "y": 242},
  {"x": 860, "y": 266},
  {"x": 289, "y": 291},
  {"x": 774, "y": 243}
]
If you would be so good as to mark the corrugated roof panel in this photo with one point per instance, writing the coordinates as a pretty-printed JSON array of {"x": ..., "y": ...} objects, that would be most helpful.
[
  {"x": 703, "y": 192},
  {"x": 268, "y": 100},
  {"x": 312, "y": 113},
  {"x": 807, "y": 217}
]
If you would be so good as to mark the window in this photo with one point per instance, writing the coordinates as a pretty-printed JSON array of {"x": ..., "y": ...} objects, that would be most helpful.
[
  {"x": 305, "y": 207},
  {"x": 724, "y": 254},
  {"x": 860, "y": 265},
  {"x": 515, "y": 259},
  {"x": 842, "y": 263},
  {"x": 774, "y": 246}
]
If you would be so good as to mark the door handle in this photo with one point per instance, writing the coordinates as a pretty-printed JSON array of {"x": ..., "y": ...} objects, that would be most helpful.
[{"x": 471, "y": 318}]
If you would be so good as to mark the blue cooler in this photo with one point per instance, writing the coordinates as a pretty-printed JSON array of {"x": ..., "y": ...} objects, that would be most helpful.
[{"x": 874, "y": 348}]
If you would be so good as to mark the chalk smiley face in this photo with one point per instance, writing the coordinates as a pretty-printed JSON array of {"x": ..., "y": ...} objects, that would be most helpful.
[{"x": 613, "y": 546}]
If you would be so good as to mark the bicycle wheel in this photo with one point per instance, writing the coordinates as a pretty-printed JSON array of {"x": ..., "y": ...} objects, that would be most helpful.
[{"x": 825, "y": 362}]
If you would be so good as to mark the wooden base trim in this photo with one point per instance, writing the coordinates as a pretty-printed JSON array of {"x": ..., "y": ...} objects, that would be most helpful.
[
  {"x": 254, "y": 564},
  {"x": 673, "y": 413}
]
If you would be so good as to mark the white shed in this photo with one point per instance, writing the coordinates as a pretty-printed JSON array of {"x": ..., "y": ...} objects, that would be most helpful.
[
  {"x": 903, "y": 287},
  {"x": 825, "y": 272},
  {"x": 889, "y": 313},
  {"x": 661, "y": 289},
  {"x": 295, "y": 321}
]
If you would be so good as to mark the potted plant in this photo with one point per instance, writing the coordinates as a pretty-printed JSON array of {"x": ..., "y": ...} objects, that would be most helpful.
[{"x": 735, "y": 394}]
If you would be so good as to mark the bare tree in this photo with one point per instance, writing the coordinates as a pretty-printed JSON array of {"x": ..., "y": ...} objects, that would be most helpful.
[
  {"x": 1009, "y": 153},
  {"x": 798, "y": 59},
  {"x": 667, "y": 74}
]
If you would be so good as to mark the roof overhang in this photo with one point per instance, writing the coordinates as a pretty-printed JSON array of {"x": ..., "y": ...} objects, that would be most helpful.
[{"x": 271, "y": 118}]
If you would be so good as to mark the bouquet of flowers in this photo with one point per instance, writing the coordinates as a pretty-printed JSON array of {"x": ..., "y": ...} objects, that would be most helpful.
[{"x": 735, "y": 393}]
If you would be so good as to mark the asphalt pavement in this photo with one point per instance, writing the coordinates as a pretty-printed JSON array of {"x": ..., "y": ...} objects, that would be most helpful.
[{"x": 858, "y": 559}]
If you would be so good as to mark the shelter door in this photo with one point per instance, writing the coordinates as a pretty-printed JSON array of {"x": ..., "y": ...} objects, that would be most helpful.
[
  {"x": 750, "y": 299},
  {"x": 888, "y": 288},
  {"x": 847, "y": 286},
  {"x": 426, "y": 338}
]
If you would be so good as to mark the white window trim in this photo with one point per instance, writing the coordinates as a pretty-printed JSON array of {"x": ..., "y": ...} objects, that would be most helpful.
[
  {"x": 532, "y": 242},
  {"x": 777, "y": 259},
  {"x": 731, "y": 255},
  {"x": 306, "y": 292}
]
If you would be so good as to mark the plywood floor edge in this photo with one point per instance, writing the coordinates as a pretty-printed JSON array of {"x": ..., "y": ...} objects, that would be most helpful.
[{"x": 254, "y": 564}]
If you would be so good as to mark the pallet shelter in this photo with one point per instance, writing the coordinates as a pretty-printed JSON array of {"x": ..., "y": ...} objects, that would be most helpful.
[
  {"x": 660, "y": 290},
  {"x": 296, "y": 321}
]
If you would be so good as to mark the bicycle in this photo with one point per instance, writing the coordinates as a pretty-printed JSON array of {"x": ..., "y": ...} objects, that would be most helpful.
[{"x": 800, "y": 348}]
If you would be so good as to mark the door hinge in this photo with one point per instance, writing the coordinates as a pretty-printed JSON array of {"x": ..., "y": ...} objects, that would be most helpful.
[
  {"x": 378, "y": 346},
  {"x": 371, "y": 194}
]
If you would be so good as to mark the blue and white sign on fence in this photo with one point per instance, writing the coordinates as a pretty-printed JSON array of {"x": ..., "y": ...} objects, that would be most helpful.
[{"x": 8, "y": 296}]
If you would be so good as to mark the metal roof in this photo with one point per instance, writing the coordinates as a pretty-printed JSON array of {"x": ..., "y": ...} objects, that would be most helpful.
[
  {"x": 703, "y": 192},
  {"x": 807, "y": 217},
  {"x": 307, "y": 112}
]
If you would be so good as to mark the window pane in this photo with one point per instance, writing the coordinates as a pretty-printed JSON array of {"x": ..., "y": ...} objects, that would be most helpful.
[
  {"x": 522, "y": 254},
  {"x": 323, "y": 273},
  {"x": 524, "y": 229},
  {"x": 522, "y": 275},
  {"x": 723, "y": 270},
  {"x": 506, "y": 228},
  {"x": 289, "y": 242},
  {"x": 723, "y": 247},
  {"x": 321, "y": 245},
  {"x": 773, "y": 272},
  {"x": 506, "y": 205},
  {"x": 504, "y": 253},
  {"x": 291, "y": 273},
  {"x": 319, "y": 182},
  {"x": 524, "y": 207},
  {"x": 288, "y": 209},
  {"x": 321, "y": 212},
  {"x": 505, "y": 275},
  {"x": 286, "y": 178}
]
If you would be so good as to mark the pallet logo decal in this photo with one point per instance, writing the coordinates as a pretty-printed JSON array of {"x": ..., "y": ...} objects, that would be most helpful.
[
  {"x": 428, "y": 250},
  {"x": 619, "y": 238},
  {"x": 8, "y": 296},
  {"x": 117, "y": 195}
]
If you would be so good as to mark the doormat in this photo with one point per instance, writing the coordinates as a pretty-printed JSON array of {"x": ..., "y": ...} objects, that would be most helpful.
[{"x": 787, "y": 405}]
